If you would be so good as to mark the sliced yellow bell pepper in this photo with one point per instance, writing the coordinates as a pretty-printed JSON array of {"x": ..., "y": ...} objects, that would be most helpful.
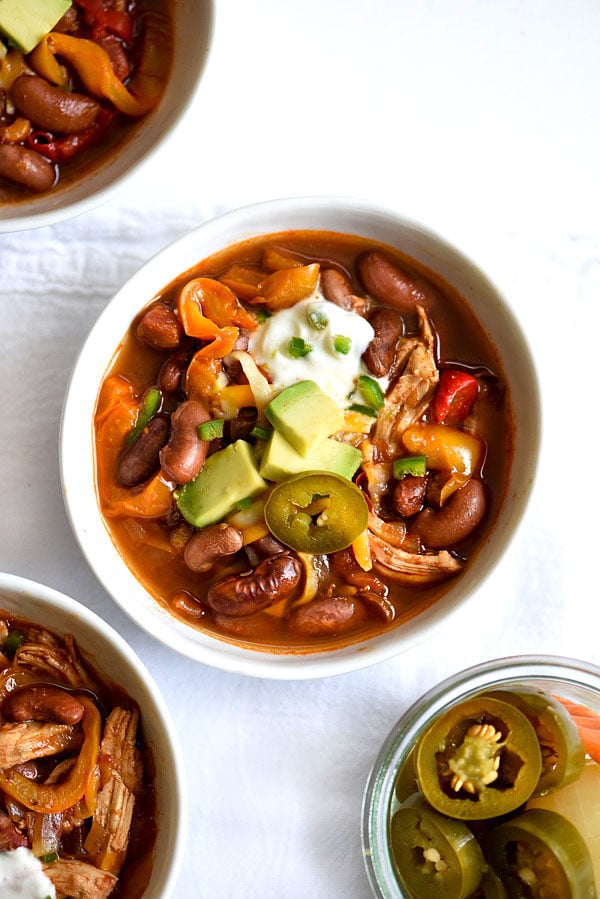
[
  {"x": 93, "y": 65},
  {"x": 446, "y": 448}
]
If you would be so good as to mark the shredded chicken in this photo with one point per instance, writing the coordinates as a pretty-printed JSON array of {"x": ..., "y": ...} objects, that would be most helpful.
[
  {"x": 413, "y": 568},
  {"x": 32, "y": 740},
  {"x": 46, "y": 657},
  {"x": 118, "y": 751},
  {"x": 78, "y": 880},
  {"x": 107, "y": 841},
  {"x": 392, "y": 532},
  {"x": 410, "y": 394}
]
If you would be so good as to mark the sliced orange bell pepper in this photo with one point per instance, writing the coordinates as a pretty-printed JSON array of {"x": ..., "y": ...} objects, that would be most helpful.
[
  {"x": 153, "y": 501},
  {"x": 191, "y": 312},
  {"x": 205, "y": 305},
  {"x": 243, "y": 281},
  {"x": 286, "y": 287},
  {"x": 53, "y": 798},
  {"x": 115, "y": 417},
  {"x": 221, "y": 346},
  {"x": 93, "y": 65},
  {"x": 202, "y": 379}
]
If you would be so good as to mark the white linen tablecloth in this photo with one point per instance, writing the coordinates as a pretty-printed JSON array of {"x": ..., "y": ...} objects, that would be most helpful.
[{"x": 478, "y": 118}]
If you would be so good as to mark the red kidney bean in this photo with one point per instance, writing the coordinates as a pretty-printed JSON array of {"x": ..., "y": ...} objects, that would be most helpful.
[
  {"x": 183, "y": 456},
  {"x": 273, "y": 579},
  {"x": 389, "y": 328},
  {"x": 26, "y": 167},
  {"x": 160, "y": 328},
  {"x": 408, "y": 495},
  {"x": 240, "y": 427},
  {"x": 337, "y": 287},
  {"x": 42, "y": 702},
  {"x": 323, "y": 617},
  {"x": 387, "y": 282},
  {"x": 187, "y": 606},
  {"x": 210, "y": 544},
  {"x": 68, "y": 22},
  {"x": 267, "y": 546},
  {"x": 139, "y": 461},
  {"x": 458, "y": 517},
  {"x": 10, "y": 836},
  {"x": 52, "y": 108},
  {"x": 171, "y": 371}
]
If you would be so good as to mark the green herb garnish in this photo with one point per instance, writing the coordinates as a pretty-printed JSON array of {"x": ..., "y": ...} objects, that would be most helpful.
[
  {"x": 298, "y": 348},
  {"x": 410, "y": 465},
  {"x": 318, "y": 319},
  {"x": 13, "y": 642},
  {"x": 210, "y": 430},
  {"x": 342, "y": 344},
  {"x": 147, "y": 411},
  {"x": 261, "y": 433},
  {"x": 371, "y": 391},
  {"x": 244, "y": 503}
]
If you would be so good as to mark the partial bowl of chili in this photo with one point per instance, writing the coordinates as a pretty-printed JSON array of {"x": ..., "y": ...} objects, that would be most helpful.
[
  {"x": 300, "y": 437},
  {"x": 83, "y": 719},
  {"x": 489, "y": 786},
  {"x": 89, "y": 90}
]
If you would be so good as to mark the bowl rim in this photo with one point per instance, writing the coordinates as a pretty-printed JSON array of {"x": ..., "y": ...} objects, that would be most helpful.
[
  {"x": 33, "y": 220},
  {"x": 18, "y": 587},
  {"x": 225, "y": 230},
  {"x": 505, "y": 671}
]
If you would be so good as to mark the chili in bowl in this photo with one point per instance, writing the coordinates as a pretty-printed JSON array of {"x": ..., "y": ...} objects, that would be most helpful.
[
  {"x": 88, "y": 89},
  {"x": 299, "y": 431},
  {"x": 92, "y": 795},
  {"x": 489, "y": 786}
]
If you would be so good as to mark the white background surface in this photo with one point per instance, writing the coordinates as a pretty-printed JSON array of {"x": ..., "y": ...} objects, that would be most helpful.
[{"x": 479, "y": 118}]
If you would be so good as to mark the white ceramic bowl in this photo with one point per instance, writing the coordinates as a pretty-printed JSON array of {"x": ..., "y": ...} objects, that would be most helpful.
[
  {"x": 193, "y": 24},
  {"x": 330, "y": 214},
  {"x": 112, "y": 657}
]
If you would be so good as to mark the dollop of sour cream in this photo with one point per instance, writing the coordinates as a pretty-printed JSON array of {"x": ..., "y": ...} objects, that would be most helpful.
[
  {"x": 22, "y": 876},
  {"x": 320, "y": 324}
]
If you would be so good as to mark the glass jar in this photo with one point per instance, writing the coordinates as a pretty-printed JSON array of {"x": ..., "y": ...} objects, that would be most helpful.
[{"x": 571, "y": 679}]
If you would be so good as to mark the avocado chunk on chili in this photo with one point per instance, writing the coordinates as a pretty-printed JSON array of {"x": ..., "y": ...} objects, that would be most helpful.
[
  {"x": 436, "y": 856},
  {"x": 316, "y": 512},
  {"x": 227, "y": 477},
  {"x": 26, "y": 22},
  {"x": 304, "y": 414},
  {"x": 479, "y": 760},
  {"x": 281, "y": 460}
]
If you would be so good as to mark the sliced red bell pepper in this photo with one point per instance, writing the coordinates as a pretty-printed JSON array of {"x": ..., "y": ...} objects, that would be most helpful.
[
  {"x": 64, "y": 148},
  {"x": 455, "y": 395},
  {"x": 102, "y": 19}
]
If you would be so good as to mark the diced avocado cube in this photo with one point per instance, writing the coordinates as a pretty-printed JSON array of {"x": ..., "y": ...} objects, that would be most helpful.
[
  {"x": 26, "y": 22},
  {"x": 304, "y": 414},
  {"x": 228, "y": 476},
  {"x": 281, "y": 460}
]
